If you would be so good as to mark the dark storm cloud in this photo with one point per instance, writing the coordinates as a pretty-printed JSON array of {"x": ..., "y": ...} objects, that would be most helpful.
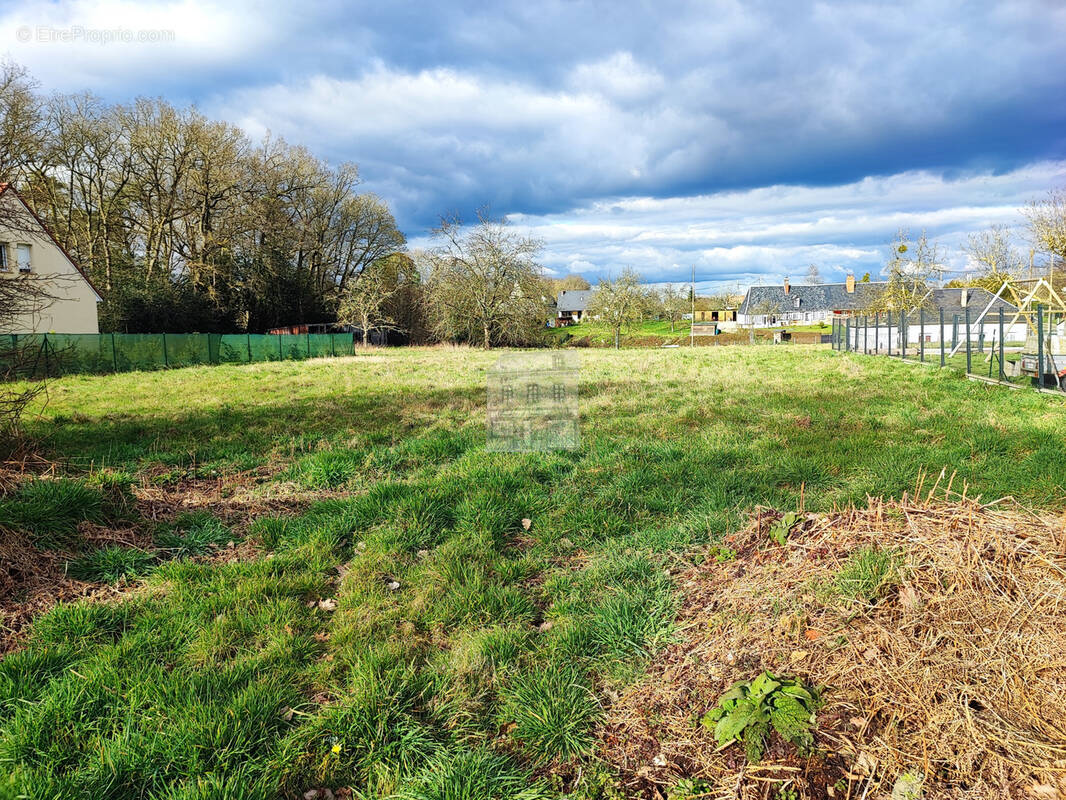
[{"x": 555, "y": 109}]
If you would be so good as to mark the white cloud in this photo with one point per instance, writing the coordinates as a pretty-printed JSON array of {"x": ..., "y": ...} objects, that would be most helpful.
[
  {"x": 618, "y": 77},
  {"x": 73, "y": 45},
  {"x": 771, "y": 232}
]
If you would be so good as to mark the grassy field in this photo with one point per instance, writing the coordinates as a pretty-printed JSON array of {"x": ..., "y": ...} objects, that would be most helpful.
[
  {"x": 601, "y": 334},
  {"x": 641, "y": 335},
  {"x": 386, "y": 621}
]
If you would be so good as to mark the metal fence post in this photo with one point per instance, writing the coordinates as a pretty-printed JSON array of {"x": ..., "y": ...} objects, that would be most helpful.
[
  {"x": 281, "y": 353},
  {"x": 888, "y": 327},
  {"x": 1002, "y": 373},
  {"x": 969, "y": 358},
  {"x": 847, "y": 335},
  {"x": 877, "y": 333},
  {"x": 166, "y": 360},
  {"x": 902, "y": 334},
  {"x": 942, "y": 361},
  {"x": 114, "y": 352},
  {"x": 248, "y": 336},
  {"x": 954, "y": 331},
  {"x": 308, "y": 343},
  {"x": 1040, "y": 344},
  {"x": 921, "y": 334},
  {"x": 865, "y": 334}
]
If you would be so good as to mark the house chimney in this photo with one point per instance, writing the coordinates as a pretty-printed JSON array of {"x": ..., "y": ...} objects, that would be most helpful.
[
  {"x": 965, "y": 298},
  {"x": 849, "y": 283},
  {"x": 786, "y": 285}
]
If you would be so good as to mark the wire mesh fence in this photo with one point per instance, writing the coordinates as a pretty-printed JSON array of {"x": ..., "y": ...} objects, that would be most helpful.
[
  {"x": 1008, "y": 346},
  {"x": 52, "y": 354}
]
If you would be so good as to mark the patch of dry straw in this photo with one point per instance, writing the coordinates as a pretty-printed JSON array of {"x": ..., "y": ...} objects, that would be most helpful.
[{"x": 957, "y": 671}]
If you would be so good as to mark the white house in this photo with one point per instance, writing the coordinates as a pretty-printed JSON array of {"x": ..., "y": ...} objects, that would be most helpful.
[{"x": 28, "y": 250}]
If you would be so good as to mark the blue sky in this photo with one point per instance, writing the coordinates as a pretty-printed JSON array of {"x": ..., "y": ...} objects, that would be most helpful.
[{"x": 749, "y": 139}]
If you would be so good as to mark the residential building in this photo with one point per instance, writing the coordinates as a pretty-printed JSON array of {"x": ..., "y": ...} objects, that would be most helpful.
[
  {"x": 571, "y": 305},
  {"x": 28, "y": 251},
  {"x": 787, "y": 304}
]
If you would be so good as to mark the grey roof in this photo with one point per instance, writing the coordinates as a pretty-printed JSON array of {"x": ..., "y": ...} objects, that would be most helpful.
[
  {"x": 812, "y": 297},
  {"x": 574, "y": 299},
  {"x": 977, "y": 300},
  {"x": 835, "y": 297}
]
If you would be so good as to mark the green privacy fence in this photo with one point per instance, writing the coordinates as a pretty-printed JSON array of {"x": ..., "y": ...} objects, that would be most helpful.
[{"x": 40, "y": 355}]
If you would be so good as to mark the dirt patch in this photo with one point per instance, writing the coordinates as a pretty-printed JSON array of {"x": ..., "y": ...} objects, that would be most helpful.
[
  {"x": 954, "y": 670},
  {"x": 31, "y": 582},
  {"x": 237, "y": 499}
]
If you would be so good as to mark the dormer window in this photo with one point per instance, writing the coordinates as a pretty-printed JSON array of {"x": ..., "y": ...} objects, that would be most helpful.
[
  {"x": 797, "y": 301},
  {"x": 22, "y": 255}
]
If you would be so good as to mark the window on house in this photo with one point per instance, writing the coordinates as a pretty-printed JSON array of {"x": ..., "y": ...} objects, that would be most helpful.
[
  {"x": 3, "y": 257},
  {"x": 22, "y": 252}
]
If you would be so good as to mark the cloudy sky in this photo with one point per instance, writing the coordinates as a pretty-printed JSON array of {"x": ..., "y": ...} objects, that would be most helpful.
[{"x": 747, "y": 139}]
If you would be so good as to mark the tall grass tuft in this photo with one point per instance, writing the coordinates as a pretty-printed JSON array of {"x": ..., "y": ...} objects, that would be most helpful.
[
  {"x": 110, "y": 564},
  {"x": 553, "y": 711},
  {"x": 461, "y": 774},
  {"x": 50, "y": 510}
]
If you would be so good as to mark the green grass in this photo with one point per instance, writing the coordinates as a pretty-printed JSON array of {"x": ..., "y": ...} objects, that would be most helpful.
[
  {"x": 109, "y": 564},
  {"x": 465, "y": 653},
  {"x": 867, "y": 574},
  {"x": 602, "y": 334},
  {"x": 50, "y": 510}
]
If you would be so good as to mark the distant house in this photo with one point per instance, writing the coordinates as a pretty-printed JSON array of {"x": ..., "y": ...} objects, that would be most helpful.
[
  {"x": 28, "y": 250},
  {"x": 767, "y": 306},
  {"x": 715, "y": 315},
  {"x": 570, "y": 306}
]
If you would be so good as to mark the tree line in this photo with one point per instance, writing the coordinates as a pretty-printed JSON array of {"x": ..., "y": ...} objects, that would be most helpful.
[{"x": 182, "y": 222}]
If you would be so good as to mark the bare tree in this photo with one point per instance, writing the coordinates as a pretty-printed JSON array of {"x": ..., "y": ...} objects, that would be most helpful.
[
  {"x": 485, "y": 285},
  {"x": 912, "y": 268},
  {"x": 674, "y": 302},
  {"x": 1047, "y": 224},
  {"x": 620, "y": 302},
  {"x": 21, "y": 296},
  {"x": 814, "y": 275},
  {"x": 569, "y": 283},
  {"x": 366, "y": 300},
  {"x": 20, "y": 120},
  {"x": 996, "y": 259}
]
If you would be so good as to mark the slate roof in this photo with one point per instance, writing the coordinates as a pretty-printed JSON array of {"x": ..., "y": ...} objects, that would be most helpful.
[
  {"x": 834, "y": 297},
  {"x": 812, "y": 297},
  {"x": 951, "y": 301},
  {"x": 574, "y": 299}
]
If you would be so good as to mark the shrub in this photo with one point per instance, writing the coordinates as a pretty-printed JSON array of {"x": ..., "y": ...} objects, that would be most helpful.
[{"x": 780, "y": 530}]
